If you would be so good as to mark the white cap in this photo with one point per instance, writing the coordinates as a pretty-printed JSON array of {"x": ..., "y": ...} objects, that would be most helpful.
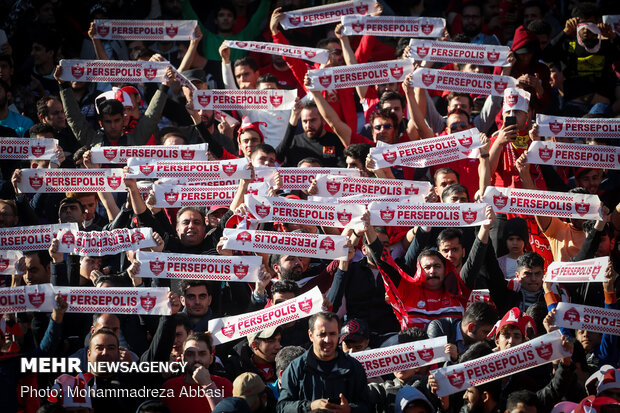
[{"x": 516, "y": 99}]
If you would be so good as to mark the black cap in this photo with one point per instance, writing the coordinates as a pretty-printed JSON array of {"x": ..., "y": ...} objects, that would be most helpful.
[
  {"x": 354, "y": 329},
  {"x": 195, "y": 75}
]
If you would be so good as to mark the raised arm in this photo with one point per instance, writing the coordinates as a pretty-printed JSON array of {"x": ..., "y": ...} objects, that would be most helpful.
[
  {"x": 186, "y": 63},
  {"x": 331, "y": 117},
  {"x": 526, "y": 179},
  {"x": 97, "y": 44},
  {"x": 349, "y": 56},
  {"x": 417, "y": 124}
]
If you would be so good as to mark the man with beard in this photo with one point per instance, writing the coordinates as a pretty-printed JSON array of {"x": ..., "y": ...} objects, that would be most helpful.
[
  {"x": 472, "y": 20},
  {"x": 485, "y": 397},
  {"x": 314, "y": 142},
  {"x": 297, "y": 269},
  {"x": 198, "y": 353}
]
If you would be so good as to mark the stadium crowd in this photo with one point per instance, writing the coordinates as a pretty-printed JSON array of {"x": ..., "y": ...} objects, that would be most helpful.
[{"x": 481, "y": 287}]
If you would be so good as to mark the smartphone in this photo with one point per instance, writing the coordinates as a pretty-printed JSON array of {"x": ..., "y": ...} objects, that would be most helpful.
[
  {"x": 334, "y": 400},
  {"x": 510, "y": 120}
]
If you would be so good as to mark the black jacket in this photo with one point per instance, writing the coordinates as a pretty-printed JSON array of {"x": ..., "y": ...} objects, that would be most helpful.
[
  {"x": 365, "y": 297},
  {"x": 303, "y": 382}
]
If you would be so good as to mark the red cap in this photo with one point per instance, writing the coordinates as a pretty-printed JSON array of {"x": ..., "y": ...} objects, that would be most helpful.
[
  {"x": 593, "y": 404},
  {"x": 514, "y": 317},
  {"x": 255, "y": 126},
  {"x": 133, "y": 91}
]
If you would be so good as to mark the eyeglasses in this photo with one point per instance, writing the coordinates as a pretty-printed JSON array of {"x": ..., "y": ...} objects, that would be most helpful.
[
  {"x": 337, "y": 52},
  {"x": 386, "y": 126},
  {"x": 459, "y": 125}
]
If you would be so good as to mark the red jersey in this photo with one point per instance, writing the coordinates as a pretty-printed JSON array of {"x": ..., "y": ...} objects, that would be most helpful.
[{"x": 186, "y": 395}]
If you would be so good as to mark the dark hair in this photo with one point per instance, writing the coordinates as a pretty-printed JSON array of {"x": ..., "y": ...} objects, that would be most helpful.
[
  {"x": 578, "y": 190},
  {"x": 268, "y": 78},
  {"x": 143, "y": 53},
  {"x": 538, "y": 311},
  {"x": 284, "y": 286},
  {"x": 110, "y": 107},
  {"x": 205, "y": 337},
  {"x": 48, "y": 39},
  {"x": 322, "y": 44},
  {"x": 461, "y": 38},
  {"x": 453, "y": 95},
  {"x": 445, "y": 171},
  {"x": 530, "y": 260},
  {"x": 310, "y": 104},
  {"x": 586, "y": 10},
  {"x": 42, "y": 109},
  {"x": 310, "y": 159},
  {"x": 385, "y": 114},
  {"x": 153, "y": 406},
  {"x": 475, "y": 351},
  {"x": 286, "y": 355},
  {"x": 170, "y": 130},
  {"x": 72, "y": 200},
  {"x": 526, "y": 397},
  {"x": 474, "y": 4},
  {"x": 225, "y": 6},
  {"x": 427, "y": 252},
  {"x": 12, "y": 204},
  {"x": 453, "y": 189},
  {"x": 480, "y": 313},
  {"x": 105, "y": 331},
  {"x": 263, "y": 147},
  {"x": 357, "y": 151},
  {"x": 113, "y": 280},
  {"x": 535, "y": 3},
  {"x": 411, "y": 334},
  {"x": 608, "y": 229},
  {"x": 185, "y": 284},
  {"x": 449, "y": 234},
  {"x": 51, "y": 408},
  {"x": 458, "y": 111},
  {"x": 247, "y": 61},
  {"x": 198, "y": 210},
  {"x": 182, "y": 319},
  {"x": 540, "y": 27},
  {"x": 80, "y": 152},
  {"x": 44, "y": 256},
  {"x": 97, "y": 315},
  {"x": 391, "y": 95},
  {"x": 40, "y": 129},
  {"x": 274, "y": 259},
  {"x": 325, "y": 315},
  {"x": 403, "y": 42}
]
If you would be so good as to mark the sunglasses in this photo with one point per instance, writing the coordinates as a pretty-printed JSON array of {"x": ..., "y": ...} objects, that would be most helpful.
[
  {"x": 459, "y": 125},
  {"x": 385, "y": 126},
  {"x": 337, "y": 52}
]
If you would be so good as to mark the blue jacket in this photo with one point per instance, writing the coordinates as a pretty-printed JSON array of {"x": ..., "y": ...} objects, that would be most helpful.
[{"x": 303, "y": 382}]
